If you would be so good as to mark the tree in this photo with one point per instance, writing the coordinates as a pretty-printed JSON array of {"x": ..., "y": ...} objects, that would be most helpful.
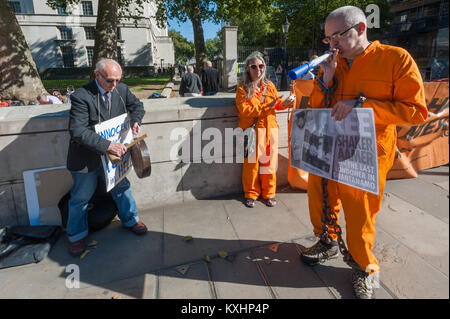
[
  {"x": 193, "y": 10},
  {"x": 198, "y": 11},
  {"x": 213, "y": 48},
  {"x": 19, "y": 78},
  {"x": 184, "y": 49}
]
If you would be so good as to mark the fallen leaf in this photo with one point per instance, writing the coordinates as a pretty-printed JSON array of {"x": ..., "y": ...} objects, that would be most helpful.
[
  {"x": 116, "y": 297},
  {"x": 207, "y": 259},
  {"x": 47, "y": 269},
  {"x": 391, "y": 208},
  {"x": 92, "y": 243},
  {"x": 223, "y": 254},
  {"x": 84, "y": 254},
  {"x": 187, "y": 238}
]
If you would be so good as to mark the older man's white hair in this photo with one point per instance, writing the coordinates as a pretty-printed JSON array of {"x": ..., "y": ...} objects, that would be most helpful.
[
  {"x": 190, "y": 69},
  {"x": 350, "y": 14},
  {"x": 100, "y": 65}
]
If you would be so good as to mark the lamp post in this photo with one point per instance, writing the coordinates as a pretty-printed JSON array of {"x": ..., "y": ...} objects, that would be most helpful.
[{"x": 285, "y": 28}]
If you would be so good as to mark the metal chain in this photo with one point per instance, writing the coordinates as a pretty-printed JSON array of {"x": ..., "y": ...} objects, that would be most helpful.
[{"x": 329, "y": 218}]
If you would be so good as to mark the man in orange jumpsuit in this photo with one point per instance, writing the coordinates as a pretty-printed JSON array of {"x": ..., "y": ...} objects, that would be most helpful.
[
  {"x": 393, "y": 87},
  {"x": 257, "y": 98}
]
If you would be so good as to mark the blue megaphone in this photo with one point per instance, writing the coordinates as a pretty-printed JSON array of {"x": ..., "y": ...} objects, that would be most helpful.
[{"x": 294, "y": 74}]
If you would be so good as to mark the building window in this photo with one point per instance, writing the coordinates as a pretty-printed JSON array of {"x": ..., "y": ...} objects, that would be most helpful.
[
  {"x": 119, "y": 34},
  {"x": 67, "y": 55},
  {"x": 15, "y": 6},
  {"x": 62, "y": 11},
  {"x": 90, "y": 54},
  {"x": 66, "y": 33},
  {"x": 87, "y": 8},
  {"x": 90, "y": 33},
  {"x": 119, "y": 56}
]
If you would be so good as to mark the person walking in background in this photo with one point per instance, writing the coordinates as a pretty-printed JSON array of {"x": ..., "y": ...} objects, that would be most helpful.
[
  {"x": 256, "y": 102},
  {"x": 190, "y": 85},
  {"x": 210, "y": 79},
  {"x": 393, "y": 88}
]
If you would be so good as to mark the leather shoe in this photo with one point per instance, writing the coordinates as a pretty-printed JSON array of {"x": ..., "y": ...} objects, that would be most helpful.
[
  {"x": 139, "y": 228},
  {"x": 77, "y": 248}
]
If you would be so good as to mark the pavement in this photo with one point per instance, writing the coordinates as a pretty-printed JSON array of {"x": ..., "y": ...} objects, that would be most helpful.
[{"x": 241, "y": 253}]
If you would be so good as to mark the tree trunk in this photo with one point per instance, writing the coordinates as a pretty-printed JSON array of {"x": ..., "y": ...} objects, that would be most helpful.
[
  {"x": 105, "y": 32},
  {"x": 19, "y": 78},
  {"x": 199, "y": 39}
]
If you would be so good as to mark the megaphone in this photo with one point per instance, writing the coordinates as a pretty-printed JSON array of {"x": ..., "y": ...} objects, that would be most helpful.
[{"x": 294, "y": 74}]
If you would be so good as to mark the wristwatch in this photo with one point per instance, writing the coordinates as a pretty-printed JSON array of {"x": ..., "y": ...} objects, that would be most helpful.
[{"x": 360, "y": 99}]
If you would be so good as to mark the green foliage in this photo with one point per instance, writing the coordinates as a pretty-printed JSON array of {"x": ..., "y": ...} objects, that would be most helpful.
[
  {"x": 213, "y": 48},
  {"x": 262, "y": 26},
  {"x": 184, "y": 49}
]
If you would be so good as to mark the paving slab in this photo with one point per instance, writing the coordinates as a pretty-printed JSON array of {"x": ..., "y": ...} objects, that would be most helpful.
[
  {"x": 262, "y": 225},
  {"x": 238, "y": 278},
  {"x": 206, "y": 221},
  {"x": 118, "y": 253},
  {"x": 406, "y": 274},
  {"x": 287, "y": 276},
  {"x": 423, "y": 193},
  {"x": 423, "y": 233},
  {"x": 193, "y": 284},
  {"x": 138, "y": 287}
]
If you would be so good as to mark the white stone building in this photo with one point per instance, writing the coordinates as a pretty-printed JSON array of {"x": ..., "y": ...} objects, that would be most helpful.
[{"x": 60, "y": 39}]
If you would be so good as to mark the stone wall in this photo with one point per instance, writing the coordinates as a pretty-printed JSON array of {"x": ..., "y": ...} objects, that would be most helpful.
[{"x": 36, "y": 137}]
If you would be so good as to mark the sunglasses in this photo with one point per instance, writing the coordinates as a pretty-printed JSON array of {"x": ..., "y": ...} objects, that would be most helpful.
[
  {"x": 254, "y": 66},
  {"x": 110, "y": 81},
  {"x": 337, "y": 36}
]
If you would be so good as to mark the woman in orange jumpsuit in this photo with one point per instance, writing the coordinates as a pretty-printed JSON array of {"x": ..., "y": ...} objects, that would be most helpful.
[
  {"x": 390, "y": 80},
  {"x": 256, "y": 100}
]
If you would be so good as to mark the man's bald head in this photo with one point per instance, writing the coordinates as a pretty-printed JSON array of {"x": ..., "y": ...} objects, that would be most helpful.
[
  {"x": 108, "y": 74},
  {"x": 102, "y": 64},
  {"x": 346, "y": 31},
  {"x": 350, "y": 15}
]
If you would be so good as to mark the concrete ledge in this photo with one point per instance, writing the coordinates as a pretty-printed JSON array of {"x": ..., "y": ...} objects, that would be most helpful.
[
  {"x": 167, "y": 90},
  {"x": 35, "y": 137}
]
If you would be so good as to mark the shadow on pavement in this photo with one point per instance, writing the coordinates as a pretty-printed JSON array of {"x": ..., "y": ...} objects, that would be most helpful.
[{"x": 121, "y": 260}]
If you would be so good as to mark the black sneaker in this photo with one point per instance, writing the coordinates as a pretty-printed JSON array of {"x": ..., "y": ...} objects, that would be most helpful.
[
  {"x": 320, "y": 252},
  {"x": 362, "y": 286}
]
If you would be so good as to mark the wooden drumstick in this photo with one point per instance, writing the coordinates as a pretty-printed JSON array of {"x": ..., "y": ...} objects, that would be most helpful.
[{"x": 116, "y": 159}]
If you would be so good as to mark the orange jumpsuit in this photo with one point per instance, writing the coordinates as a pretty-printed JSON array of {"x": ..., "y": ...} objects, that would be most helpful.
[
  {"x": 259, "y": 169},
  {"x": 393, "y": 86}
]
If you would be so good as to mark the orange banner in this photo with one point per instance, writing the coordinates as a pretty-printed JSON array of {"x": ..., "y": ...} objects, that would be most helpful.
[
  {"x": 418, "y": 147},
  {"x": 426, "y": 145}
]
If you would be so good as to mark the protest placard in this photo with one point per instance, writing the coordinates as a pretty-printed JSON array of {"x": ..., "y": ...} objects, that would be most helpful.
[
  {"x": 344, "y": 151},
  {"x": 116, "y": 130}
]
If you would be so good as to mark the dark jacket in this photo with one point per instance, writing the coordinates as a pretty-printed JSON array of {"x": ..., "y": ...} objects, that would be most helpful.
[
  {"x": 210, "y": 80},
  {"x": 190, "y": 83},
  {"x": 86, "y": 146}
]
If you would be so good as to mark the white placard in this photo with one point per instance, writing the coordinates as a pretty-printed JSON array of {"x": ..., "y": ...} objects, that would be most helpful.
[{"x": 116, "y": 130}]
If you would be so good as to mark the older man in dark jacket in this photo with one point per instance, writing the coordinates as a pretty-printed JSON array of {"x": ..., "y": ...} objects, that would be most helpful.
[
  {"x": 190, "y": 85},
  {"x": 210, "y": 79},
  {"x": 100, "y": 100}
]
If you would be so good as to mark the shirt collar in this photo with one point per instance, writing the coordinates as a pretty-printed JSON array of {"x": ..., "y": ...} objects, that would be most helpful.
[{"x": 100, "y": 89}]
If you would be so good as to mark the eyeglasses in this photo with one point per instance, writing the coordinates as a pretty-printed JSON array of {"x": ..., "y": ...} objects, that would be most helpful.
[
  {"x": 260, "y": 66},
  {"x": 109, "y": 80},
  {"x": 337, "y": 36}
]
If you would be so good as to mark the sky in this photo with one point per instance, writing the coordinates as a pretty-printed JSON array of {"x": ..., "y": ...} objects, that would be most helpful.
[{"x": 209, "y": 29}]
